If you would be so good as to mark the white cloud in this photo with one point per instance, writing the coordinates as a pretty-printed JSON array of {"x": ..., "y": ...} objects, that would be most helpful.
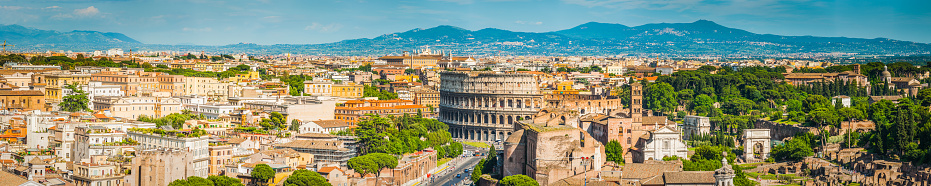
[
  {"x": 529, "y": 22},
  {"x": 10, "y": 7},
  {"x": 332, "y": 27},
  {"x": 86, "y": 12},
  {"x": 52, "y": 7},
  {"x": 461, "y": 2},
  {"x": 205, "y": 29}
]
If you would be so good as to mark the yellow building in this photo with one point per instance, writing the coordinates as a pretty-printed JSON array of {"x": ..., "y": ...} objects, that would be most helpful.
[
  {"x": 247, "y": 76},
  {"x": 565, "y": 87},
  {"x": 406, "y": 78},
  {"x": 55, "y": 83},
  {"x": 348, "y": 90}
]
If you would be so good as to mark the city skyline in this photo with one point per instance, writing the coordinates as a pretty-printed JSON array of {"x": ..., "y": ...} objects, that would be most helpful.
[{"x": 291, "y": 22}]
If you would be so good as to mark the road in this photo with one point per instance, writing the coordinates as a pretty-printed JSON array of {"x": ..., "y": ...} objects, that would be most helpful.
[{"x": 448, "y": 177}]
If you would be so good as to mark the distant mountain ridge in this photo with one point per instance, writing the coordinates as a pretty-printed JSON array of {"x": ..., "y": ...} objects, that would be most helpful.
[
  {"x": 24, "y": 36},
  {"x": 699, "y": 38}
]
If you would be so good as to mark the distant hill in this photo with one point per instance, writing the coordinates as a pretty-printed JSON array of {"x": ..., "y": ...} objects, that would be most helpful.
[
  {"x": 699, "y": 38},
  {"x": 31, "y": 38}
]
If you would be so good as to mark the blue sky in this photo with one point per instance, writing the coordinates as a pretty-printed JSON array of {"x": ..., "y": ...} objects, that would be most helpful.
[{"x": 220, "y": 22}]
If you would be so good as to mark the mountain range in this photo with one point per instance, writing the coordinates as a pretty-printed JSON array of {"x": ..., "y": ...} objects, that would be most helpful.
[{"x": 699, "y": 38}]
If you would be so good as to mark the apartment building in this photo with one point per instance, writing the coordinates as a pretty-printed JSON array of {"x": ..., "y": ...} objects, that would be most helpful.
[
  {"x": 197, "y": 145},
  {"x": 221, "y": 154},
  {"x": 90, "y": 141},
  {"x": 212, "y": 88},
  {"x": 427, "y": 97},
  {"x": 354, "y": 110},
  {"x": 54, "y": 82},
  {"x": 97, "y": 173},
  {"x": 22, "y": 100},
  {"x": 300, "y": 108},
  {"x": 318, "y": 88},
  {"x": 133, "y": 107},
  {"x": 347, "y": 90},
  {"x": 159, "y": 167}
]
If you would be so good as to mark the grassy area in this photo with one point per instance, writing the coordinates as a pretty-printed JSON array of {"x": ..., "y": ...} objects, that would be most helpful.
[
  {"x": 777, "y": 176},
  {"x": 853, "y": 184},
  {"x": 477, "y": 144},
  {"x": 442, "y": 161},
  {"x": 751, "y": 174},
  {"x": 787, "y": 122}
]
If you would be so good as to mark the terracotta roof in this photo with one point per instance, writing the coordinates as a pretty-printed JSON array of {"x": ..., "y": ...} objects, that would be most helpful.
[
  {"x": 328, "y": 169},
  {"x": 21, "y": 93},
  {"x": 281, "y": 152},
  {"x": 11, "y": 179},
  {"x": 236, "y": 140},
  {"x": 313, "y": 144},
  {"x": 37, "y": 161},
  {"x": 642, "y": 170},
  {"x": 651, "y": 120},
  {"x": 315, "y": 135},
  {"x": 689, "y": 177},
  {"x": 333, "y": 123}
]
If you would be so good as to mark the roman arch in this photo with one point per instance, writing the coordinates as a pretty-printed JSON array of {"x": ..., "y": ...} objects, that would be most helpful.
[{"x": 757, "y": 144}]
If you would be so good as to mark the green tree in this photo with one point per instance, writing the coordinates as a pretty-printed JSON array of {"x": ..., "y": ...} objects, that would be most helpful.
[
  {"x": 737, "y": 106},
  {"x": 661, "y": 98},
  {"x": 477, "y": 170},
  {"x": 372, "y": 163},
  {"x": 795, "y": 149},
  {"x": 518, "y": 180},
  {"x": 850, "y": 114},
  {"x": 76, "y": 101},
  {"x": 192, "y": 181},
  {"x": 306, "y": 178},
  {"x": 491, "y": 161},
  {"x": 702, "y": 105},
  {"x": 924, "y": 97},
  {"x": 295, "y": 125},
  {"x": 614, "y": 152},
  {"x": 262, "y": 173},
  {"x": 224, "y": 181},
  {"x": 277, "y": 119},
  {"x": 814, "y": 102}
]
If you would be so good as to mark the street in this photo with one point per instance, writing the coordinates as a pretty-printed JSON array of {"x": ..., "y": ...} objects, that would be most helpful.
[{"x": 448, "y": 177}]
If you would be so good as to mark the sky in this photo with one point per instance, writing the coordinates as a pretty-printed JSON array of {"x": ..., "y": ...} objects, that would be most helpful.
[{"x": 222, "y": 22}]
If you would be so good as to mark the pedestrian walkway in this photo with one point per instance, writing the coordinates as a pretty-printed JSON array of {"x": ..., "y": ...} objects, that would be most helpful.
[{"x": 434, "y": 172}]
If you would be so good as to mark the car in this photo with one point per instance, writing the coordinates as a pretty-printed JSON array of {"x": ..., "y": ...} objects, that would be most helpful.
[
  {"x": 467, "y": 170},
  {"x": 458, "y": 175}
]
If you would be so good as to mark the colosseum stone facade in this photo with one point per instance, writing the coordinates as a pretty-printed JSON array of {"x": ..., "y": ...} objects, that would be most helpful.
[{"x": 484, "y": 106}]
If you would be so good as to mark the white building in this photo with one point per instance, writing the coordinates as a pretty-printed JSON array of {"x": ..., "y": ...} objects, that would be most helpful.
[
  {"x": 616, "y": 70},
  {"x": 210, "y": 87},
  {"x": 318, "y": 88},
  {"x": 115, "y": 52},
  {"x": 198, "y": 146},
  {"x": 92, "y": 141},
  {"x": 211, "y": 110},
  {"x": 664, "y": 142},
  {"x": 96, "y": 89},
  {"x": 323, "y": 126}
]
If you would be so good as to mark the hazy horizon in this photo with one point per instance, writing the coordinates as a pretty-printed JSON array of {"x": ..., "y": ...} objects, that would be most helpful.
[{"x": 209, "y": 22}]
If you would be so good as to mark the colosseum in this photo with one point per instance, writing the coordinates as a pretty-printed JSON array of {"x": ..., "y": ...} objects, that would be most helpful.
[{"x": 484, "y": 106}]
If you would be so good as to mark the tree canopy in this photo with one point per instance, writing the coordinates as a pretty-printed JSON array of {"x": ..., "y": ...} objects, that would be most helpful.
[
  {"x": 306, "y": 178},
  {"x": 263, "y": 173},
  {"x": 518, "y": 180}
]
